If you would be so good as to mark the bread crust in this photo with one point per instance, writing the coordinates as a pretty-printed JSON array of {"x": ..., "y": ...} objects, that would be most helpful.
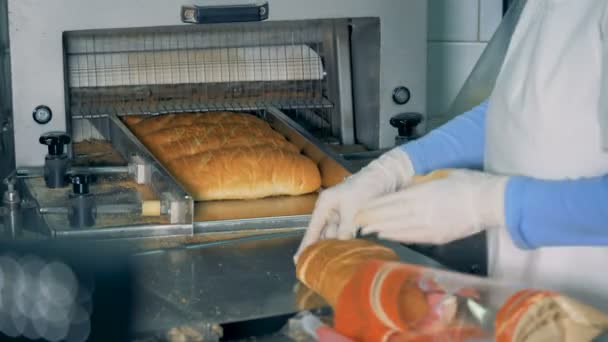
[
  {"x": 246, "y": 173},
  {"x": 157, "y": 123},
  {"x": 328, "y": 265},
  {"x": 227, "y": 155},
  {"x": 173, "y": 143}
]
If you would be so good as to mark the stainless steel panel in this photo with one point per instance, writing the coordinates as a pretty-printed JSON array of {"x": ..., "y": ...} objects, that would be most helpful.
[
  {"x": 366, "y": 79},
  {"x": 341, "y": 88},
  {"x": 7, "y": 157},
  {"x": 230, "y": 282},
  {"x": 39, "y": 78}
]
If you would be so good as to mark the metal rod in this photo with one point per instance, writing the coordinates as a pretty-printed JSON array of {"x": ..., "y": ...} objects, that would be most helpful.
[
  {"x": 33, "y": 171},
  {"x": 261, "y": 237},
  {"x": 125, "y": 232},
  {"x": 363, "y": 155},
  {"x": 56, "y": 210},
  {"x": 99, "y": 169},
  {"x": 297, "y": 221},
  {"x": 100, "y": 209}
]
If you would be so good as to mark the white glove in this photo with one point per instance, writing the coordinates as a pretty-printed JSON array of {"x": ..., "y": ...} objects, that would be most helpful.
[
  {"x": 439, "y": 211},
  {"x": 335, "y": 209}
]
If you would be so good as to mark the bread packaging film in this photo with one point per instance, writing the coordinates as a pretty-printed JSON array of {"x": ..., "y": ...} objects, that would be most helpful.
[{"x": 375, "y": 297}]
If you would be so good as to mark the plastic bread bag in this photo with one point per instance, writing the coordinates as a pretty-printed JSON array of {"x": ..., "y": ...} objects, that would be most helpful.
[
  {"x": 542, "y": 315},
  {"x": 392, "y": 301},
  {"x": 308, "y": 326}
]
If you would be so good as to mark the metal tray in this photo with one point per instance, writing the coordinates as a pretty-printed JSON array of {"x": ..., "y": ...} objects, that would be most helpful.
[{"x": 266, "y": 213}]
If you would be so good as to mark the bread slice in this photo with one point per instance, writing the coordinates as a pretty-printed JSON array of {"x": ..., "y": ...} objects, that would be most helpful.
[
  {"x": 246, "y": 173},
  {"x": 328, "y": 265}
]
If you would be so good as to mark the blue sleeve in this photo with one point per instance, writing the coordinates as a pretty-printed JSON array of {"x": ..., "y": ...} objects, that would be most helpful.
[
  {"x": 459, "y": 143},
  {"x": 557, "y": 213}
]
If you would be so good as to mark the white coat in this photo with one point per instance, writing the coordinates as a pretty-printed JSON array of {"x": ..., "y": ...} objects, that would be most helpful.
[{"x": 547, "y": 119}]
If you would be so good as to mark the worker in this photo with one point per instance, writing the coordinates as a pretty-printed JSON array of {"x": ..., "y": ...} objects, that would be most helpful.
[{"x": 529, "y": 164}]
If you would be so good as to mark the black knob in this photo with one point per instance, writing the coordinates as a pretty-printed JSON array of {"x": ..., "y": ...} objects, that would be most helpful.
[
  {"x": 80, "y": 183},
  {"x": 406, "y": 123},
  {"x": 55, "y": 141}
]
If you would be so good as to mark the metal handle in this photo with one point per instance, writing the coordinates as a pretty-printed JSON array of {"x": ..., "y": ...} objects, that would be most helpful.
[
  {"x": 55, "y": 142},
  {"x": 406, "y": 123},
  {"x": 224, "y": 14},
  {"x": 10, "y": 180},
  {"x": 80, "y": 183}
]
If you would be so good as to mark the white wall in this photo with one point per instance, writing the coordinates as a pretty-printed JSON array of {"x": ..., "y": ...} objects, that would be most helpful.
[{"x": 458, "y": 32}]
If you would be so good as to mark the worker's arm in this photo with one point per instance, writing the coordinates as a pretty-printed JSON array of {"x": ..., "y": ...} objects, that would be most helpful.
[
  {"x": 562, "y": 213},
  {"x": 557, "y": 213},
  {"x": 457, "y": 144}
]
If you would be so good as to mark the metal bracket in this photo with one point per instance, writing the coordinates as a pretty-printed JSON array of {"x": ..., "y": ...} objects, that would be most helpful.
[
  {"x": 11, "y": 210},
  {"x": 140, "y": 170},
  {"x": 177, "y": 208}
]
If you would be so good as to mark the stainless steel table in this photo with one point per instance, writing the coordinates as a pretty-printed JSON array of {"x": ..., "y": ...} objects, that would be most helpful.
[{"x": 218, "y": 283}]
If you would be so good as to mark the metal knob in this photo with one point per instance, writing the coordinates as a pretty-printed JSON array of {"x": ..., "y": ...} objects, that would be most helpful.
[
  {"x": 10, "y": 183},
  {"x": 55, "y": 142},
  {"x": 11, "y": 195},
  {"x": 11, "y": 210},
  {"x": 80, "y": 183},
  {"x": 406, "y": 123},
  {"x": 82, "y": 210}
]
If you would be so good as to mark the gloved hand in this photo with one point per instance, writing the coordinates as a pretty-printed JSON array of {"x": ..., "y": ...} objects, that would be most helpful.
[
  {"x": 439, "y": 211},
  {"x": 335, "y": 209}
]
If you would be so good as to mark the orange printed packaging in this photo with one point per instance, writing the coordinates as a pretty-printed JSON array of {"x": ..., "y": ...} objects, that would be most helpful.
[
  {"x": 535, "y": 315},
  {"x": 383, "y": 301}
]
